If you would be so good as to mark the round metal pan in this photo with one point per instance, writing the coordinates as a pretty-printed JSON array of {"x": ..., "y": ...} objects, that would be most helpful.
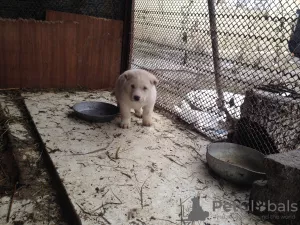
[
  {"x": 236, "y": 163},
  {"x": 96, "y": 111}
]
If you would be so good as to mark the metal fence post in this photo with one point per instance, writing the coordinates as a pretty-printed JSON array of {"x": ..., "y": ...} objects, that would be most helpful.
[
  {"x": 216, "y": 60},
  {"x": 127, "y": 41}
]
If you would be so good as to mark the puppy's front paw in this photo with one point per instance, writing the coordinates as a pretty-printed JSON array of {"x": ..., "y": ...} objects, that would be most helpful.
[
  {"x": 138, "y": 113},
  {"x": 124, "y": 125},
  {"x": 147, "y": 122}
]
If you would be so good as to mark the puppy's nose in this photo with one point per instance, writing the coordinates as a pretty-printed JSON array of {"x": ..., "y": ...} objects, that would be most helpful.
[{"x": 136, "y": 98}]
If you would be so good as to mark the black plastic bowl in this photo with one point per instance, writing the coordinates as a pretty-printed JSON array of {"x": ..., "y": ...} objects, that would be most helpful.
[{"x": 96, "y": 111}]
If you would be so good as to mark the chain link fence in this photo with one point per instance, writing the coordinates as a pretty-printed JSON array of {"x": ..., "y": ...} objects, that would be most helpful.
[
  {"x": 229, "y": 68},
  {"x": 36, "y": 9}
]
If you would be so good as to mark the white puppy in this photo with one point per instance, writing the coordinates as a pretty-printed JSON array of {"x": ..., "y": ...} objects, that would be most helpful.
[{"x": 136, "y": 89}]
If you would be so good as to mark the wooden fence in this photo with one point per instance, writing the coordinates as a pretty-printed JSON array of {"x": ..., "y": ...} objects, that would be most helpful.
[{"x": 66, "y": 51}]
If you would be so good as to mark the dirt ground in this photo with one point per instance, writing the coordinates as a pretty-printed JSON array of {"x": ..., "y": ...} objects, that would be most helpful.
[{"x": 26, "y": 193}]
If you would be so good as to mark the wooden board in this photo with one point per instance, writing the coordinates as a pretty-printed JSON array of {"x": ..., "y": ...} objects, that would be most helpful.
[
  {"x": 99, "y": 46},
  {"x": 9, "y": 54},
  {"x": 66, "y": 51}
]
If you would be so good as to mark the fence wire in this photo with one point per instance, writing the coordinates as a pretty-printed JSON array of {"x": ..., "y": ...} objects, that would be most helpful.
[
  {"x": 251, "y": 95},
  {"x": 36, "y": 9}
]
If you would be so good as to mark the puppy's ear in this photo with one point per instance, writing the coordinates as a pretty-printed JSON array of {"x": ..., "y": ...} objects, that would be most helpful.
[
  {"x": 154, "y": 81},
  {"x": 127, "y": 76}
]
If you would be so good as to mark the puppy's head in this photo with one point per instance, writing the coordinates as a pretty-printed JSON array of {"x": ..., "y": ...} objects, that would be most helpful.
[{"x": 140, "y": 86}]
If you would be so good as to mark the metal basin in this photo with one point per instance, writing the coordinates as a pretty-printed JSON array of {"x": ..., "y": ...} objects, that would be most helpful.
[
  {"x": 96, "y": 111},
  {"x": 236, "y": 163}
]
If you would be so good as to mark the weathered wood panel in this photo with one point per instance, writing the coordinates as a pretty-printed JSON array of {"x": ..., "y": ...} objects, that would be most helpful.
[
  {"x": 9, "y": 54},
  {"x": 47, "y": 52},
  {"x": 66, "y": 51},
  {"x": 99, "y": 47},
  {"x": 35, "y": 54}
]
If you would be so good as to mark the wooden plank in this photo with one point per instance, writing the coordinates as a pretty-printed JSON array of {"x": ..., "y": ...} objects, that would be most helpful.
[
  {"x": 36, "y": 54},
  {"x": 115, "y": 57},
  {"x": 9, "y": 54},
  {"x": 63, "y": 57},
  {"x": 29, "y": 57},
  {"x": 99, "y": 46},
  {"x": 48, "y": 53},
  {"x": 97, "y": 52},
  {"x": 45, "y": 44},
  {"x": 70, "y": 53},
  {"x": 41, "y": 66}
]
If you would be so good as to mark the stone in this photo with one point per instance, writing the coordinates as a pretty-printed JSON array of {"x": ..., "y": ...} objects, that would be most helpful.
[
  {"x": 278, "y": 198},
  {"x": 269, "y": 121}
]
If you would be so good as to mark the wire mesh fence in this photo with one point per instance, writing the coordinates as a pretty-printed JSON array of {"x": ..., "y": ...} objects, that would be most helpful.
[
  {"x": 229, "y": 68},
  {"x": 36, "y": 9}
]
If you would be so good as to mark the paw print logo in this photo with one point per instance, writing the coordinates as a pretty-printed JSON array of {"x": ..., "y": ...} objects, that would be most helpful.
[{"x": 261, "y": 206}]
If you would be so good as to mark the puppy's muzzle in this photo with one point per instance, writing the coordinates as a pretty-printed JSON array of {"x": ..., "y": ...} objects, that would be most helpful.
[{"x": 136, "y": 98}]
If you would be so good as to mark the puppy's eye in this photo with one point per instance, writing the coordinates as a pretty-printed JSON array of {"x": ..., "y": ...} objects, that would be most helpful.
[
  {"x": 132, "y": 86},
  {"x": 145, "y": 88}
]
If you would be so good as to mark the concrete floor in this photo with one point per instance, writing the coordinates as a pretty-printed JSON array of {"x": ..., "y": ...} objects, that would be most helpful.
[{"x": 135, "y": 176}]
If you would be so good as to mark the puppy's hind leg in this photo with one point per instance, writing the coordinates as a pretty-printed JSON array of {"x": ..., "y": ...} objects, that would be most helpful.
[
  {"x": 138, "y": 113},
  {"x": 147, "y": 115},
  {"x": 125, "y": 116}
]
